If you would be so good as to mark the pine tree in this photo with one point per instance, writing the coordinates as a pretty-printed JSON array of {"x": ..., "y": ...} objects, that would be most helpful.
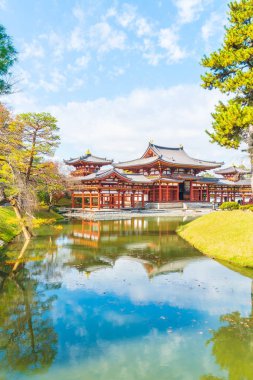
[
  {"x": 230, "y": 70},
  {"x": 25, "y": 142},
  {"x": 8, "y": 56}
]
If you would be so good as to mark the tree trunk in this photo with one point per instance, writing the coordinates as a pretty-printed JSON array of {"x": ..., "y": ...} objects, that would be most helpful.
[
  {"x": 30, "y": 164},
  {"x": 22, "y": 252},
  {"x": 50, "y": 203},
  {"x": 25, "y": 230}
]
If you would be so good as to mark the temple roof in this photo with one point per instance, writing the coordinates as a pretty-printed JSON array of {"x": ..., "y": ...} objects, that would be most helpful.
[
  {"x": 241, "y": 182},
  {"x": 88, "y": 158},
  {"x": 137, "y": 162},
  {"x": 133, "y": 178},
  {"x": 232, "y": 170},
  {"x": 224, "y": 182},
  {"x": 171, "y": 156}
]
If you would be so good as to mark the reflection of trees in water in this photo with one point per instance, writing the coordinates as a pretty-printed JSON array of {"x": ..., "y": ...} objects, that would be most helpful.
[
  {"x": 233, "y": 346},
  {"x": 27, "y": 338}
]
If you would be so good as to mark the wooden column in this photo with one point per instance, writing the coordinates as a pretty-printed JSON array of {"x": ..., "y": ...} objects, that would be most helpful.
[
  {"x": 83, "y": 200},
  {"x": 142, "y": 199},
  {"x": 207, "y": 193},
  {"x": 149, "y": 196},
  {"x": 191, "y": 192},
  {"x": 73, "y": 205},
  {"x": 118, "y": 199},
  {"x": 133, "y": 199},
  {"x": 177, "y": 192},
  {"x": 160, "y": 193},
  {"x": 167, "y": 193},
  {"x": 123, "y": 199},
  {"x": 99, "y": 199},
  {"x": 153, "y": 200},
  {"x": 90, "y": 200}
]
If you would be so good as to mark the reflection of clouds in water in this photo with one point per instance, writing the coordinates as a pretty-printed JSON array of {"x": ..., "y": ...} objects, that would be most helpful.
[
  {"x": 155, "y": 356},
  {"x": 204, "y": 285},
  {"x": 117, "y": 319}
]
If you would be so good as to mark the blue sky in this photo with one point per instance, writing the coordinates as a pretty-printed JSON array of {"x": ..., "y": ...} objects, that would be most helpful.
[{"x": 117, "y": 74}]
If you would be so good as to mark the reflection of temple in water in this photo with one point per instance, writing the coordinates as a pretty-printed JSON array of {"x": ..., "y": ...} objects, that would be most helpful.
[{"x": 151, "y": 242}]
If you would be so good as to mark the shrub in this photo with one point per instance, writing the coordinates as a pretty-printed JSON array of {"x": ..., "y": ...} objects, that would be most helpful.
[
  {"x": 229, "y": 206},
  {"x": 246, "y": 207}
]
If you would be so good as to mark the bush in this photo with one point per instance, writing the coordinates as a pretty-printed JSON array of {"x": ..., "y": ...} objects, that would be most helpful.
[
  {"x": 229, "y": 206},
  {"x": 246, "y": 207}
]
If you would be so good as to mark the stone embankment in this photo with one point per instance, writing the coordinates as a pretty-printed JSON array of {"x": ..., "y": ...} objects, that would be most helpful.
[{"x": 183, "y": 211}]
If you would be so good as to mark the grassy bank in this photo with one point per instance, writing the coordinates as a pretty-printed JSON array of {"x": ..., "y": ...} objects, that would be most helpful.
[
  {"x": 225, "y": 235},
  {"x": 9, "y": 226},
  {"x": 44, "y": 214}
]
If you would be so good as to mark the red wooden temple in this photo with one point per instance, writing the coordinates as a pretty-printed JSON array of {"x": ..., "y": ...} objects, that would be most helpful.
[{"x": 160, "y": 175}]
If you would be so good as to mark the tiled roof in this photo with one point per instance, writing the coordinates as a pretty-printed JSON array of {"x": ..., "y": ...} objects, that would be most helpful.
[
  {"x": 171, "y": 156},
  {"x": 89, "y": 158},
  {"x": 224, "y": 182},
  {"x": 232, "y": 170},
  {"x": 242, "y": 182},
  {"x": 179, "y": 156},
  {"x": 137, "y": 162},
  {"x": 134, "y": 178}
]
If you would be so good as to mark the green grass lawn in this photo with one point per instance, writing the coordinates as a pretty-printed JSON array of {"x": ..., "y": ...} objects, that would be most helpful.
[
  {"x": 9, "y": 226},
  {"x": 43, "y": 213},
  {"x": 224, "y": 235}
]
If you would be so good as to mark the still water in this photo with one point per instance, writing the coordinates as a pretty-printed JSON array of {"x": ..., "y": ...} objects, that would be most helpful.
[{"x": 122, "y": 300}]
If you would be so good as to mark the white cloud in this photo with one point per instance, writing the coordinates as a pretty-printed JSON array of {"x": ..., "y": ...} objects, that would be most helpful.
[
  {"x": 76, "y": 41},
  {"x": 57, "y": 79},
  {"x": 122, "y": 127},
  {"x": 143, "y": 27},
  {"x": 32, "y": 49},
  {"x": 127, "y": 16},
  {"x": 121, "y": 28},
  {"x": 168, "y": 40},
  {"x": 78, "y": 13},
  {"x": 124, "y": 16},
  {"x": 83, "y": 61},
  {"x": 56, "y": 43},
  {"x": 77, "y": 84},
  {"x": 117, "y": 72},
  {"x": 214, "y": 26},
  {"x": 105, "y": 38},
  {"x": 2, "y": 4},
  {"x": 190, "y": 10}
]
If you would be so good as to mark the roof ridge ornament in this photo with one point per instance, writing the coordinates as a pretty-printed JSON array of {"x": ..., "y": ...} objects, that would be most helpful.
[{"x": 88, "y": 152}]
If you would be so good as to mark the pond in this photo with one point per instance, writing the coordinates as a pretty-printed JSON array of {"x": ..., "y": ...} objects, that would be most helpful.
[{"x": 119, "y": 300}]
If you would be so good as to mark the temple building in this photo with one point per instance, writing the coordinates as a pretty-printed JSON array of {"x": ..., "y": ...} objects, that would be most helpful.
[{"x": 160, "y": 175}]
